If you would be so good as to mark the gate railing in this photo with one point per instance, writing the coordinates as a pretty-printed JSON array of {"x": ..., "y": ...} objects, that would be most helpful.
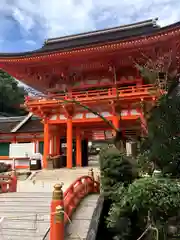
[
  {"x": 64, "y": 204},
  {"x": 111, "y": 93}
]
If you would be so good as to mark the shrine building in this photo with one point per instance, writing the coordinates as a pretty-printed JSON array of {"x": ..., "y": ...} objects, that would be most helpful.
[{"x": 98, "y": 70}]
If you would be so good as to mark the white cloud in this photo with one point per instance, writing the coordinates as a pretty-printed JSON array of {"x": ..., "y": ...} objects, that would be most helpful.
[
  {"x": 31, "y": 42},
  {"x": 54, "y": 18},
  {"x": 22, "y": 17}
]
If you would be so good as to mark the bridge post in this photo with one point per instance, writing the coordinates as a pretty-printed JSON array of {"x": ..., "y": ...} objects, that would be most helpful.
[
  {"x": 57, "y": 214},
  {"x": 13, "y": 186},
  {"x": 97, "y": 184},
  {"x": 91, "y": 175}
]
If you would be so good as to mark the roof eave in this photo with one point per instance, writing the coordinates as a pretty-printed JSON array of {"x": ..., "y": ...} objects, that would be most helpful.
[
  {"x": 152, "y": 22},
  {"x": 43, "y": 51},
  {"x": 17, "y": 127}
]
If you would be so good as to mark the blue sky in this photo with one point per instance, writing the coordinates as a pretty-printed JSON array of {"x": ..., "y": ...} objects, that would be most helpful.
[{"x": 25, "y": 24}]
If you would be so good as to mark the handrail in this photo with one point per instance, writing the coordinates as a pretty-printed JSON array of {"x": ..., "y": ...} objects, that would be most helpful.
[
  {"x": 63, "y": 205},
  {"x": 8, "y": 183},
  {"x": 94, "y": 94},
  {"x": 76, "y": 192}
]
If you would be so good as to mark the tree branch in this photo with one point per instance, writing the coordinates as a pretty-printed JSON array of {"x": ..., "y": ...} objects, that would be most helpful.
[{"x": 88, "y": 109}]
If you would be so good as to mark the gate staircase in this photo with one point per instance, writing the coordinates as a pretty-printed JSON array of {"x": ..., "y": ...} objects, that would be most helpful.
[{"x": 28, "y": 215}]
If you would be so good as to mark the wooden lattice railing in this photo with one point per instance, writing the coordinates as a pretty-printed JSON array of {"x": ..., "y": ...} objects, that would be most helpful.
[
  {"x": 110, "y": 93},
  {"x": 63, "y": 205}
]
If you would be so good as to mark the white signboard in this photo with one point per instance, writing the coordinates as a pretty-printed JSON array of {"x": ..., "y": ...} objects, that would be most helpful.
[
  {"x": 64, "y": 145},
  {"x": 33, "y": 162},
  {"x": 21, "y": 150},
  {"x": 128, "y": 148}
]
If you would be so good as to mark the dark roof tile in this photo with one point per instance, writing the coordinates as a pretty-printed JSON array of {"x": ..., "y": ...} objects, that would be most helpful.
[
  {"x": 31, "y": 126},
  {"x": 8, "y": 123}
]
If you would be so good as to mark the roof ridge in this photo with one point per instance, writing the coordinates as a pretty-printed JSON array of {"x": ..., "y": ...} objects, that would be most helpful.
[
  {"x": 152, "y": 22},
  {"x": 10, "y": 120},
  {"x": 15, "y": 117},
  {"x": 17, "y": 127}
]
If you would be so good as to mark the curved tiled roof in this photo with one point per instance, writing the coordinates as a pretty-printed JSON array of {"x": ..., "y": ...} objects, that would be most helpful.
[
  {"x": 125, "y": 32},
  {"x": 31, "y": 126},
  {"x": 123, "y": 37},
  {"x": 8, "y": 123},
  {"x": 19, "y": 125}
]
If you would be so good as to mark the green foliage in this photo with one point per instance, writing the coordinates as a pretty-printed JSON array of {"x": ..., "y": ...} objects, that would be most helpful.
[
  {"x": 147, "y": 205},
  {"x": 116, "y": 168},
  {"x": 11, "y": 95},
  {"x": 144, "y": 164},
  {"x": 145, "y": 202},
  {"x": 166, "y": 114},
  {"x": 163, "y": 141}
]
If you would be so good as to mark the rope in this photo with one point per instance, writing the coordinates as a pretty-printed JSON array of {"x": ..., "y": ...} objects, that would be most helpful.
[
  {"x": 147, "y": 229},
  {"x": 70, "y": 222}
]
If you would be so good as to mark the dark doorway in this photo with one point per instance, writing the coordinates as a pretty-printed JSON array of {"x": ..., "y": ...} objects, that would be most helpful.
[{"x": 84, "y": 151}]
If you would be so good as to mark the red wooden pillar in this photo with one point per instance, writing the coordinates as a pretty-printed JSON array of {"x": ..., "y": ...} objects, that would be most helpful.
[
  {"x": 46, "y": 143},
  {"x": 53, "y": 145},
  {"x": 14, "y": 139},
  {"x": 50, "y": 145},
  {"x": 36, "y": 146},
  {"x": 58, "y": 145},
  {"x": 69, "y": 142},
  {"x": 78, "y": 148}
]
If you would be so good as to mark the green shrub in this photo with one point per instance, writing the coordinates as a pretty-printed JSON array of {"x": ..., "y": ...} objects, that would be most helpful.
[
  {"x": 146, "y": 202},
  {"x": 145, "y": 166},
  {"x": 116, "y": 168}
]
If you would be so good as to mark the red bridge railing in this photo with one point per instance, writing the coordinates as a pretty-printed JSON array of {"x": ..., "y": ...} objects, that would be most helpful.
[
  {"x": 8, "y": 183},
  {"x": 63, "y": 205}
]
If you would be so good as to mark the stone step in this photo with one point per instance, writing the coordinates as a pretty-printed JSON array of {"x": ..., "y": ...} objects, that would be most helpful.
[
  {"x": 25, "y": 194},
  {"x": 26, "y": 209},
  {"x": 63, "y": 174},
  {"x": 28, "y": 199},
  {"x": 45, "y": 216},
  {"x": 21, "y": 233},
  {"x": 32, "y": 224},
  {"x": 5, "y": 237},
  {"x": 14, "y": 237},
  {"x": 28, "y": 203},
  {"x": 24, "y": 215},
  {"x": 93, "y": 163}
]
